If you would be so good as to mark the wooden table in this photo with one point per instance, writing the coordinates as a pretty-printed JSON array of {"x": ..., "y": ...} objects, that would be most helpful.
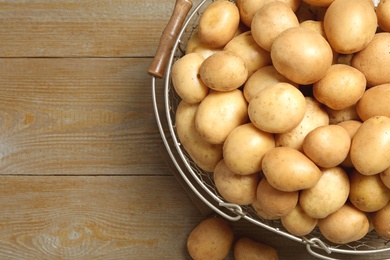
[{"x": 81, "y": 158}]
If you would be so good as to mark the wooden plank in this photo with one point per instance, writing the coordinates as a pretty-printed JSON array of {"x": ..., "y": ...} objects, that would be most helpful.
[
  {"x": 49, "y": 28},
  {"x": 70, "y": 116}
]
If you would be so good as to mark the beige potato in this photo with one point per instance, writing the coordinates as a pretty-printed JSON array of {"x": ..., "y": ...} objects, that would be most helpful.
[
  {"x": 383, "y": 14},
  {"x": 223, "y": 71},
  {"x": 287, "y": 169},
  {"x": 219, "y": 113},
  {"x": 342, "y": 86},
  {"x": 249, "y": 249},
  {"x": 297, "y": 222},
  {"x": 328, "y": 195},
  {"x": 306, "y": 60},
  {"x": 186, "y": 80},
  {"x": 338, "y": 116},
  {"x": 218, "y": 23},
  {"x": 327, "y": 146},
  {"x": 373, "y": 156},
  {"x": 262, "y": 212},
  {"x": 203, "y": 153},
  {"x": 245, "y": 46},
  {"x": 245, "y": 147},
  {"x": 316, "y": 26},
  {"x": 195, "y": 45},
  {"x": 274, "y": 201},
  {"x": 233, "y": 187},
  {"x": 380, "y": 221},
  {"x": 277, "y": 108},
  {"x": 351, "y": 126},
  {"x": 350, "y": 25},
  {"x": 374, "y": 102},
  {"x": 346, "y": 225},
  {"x": 210, "y": 239},
  {"x": 270, "y": 20},
  {"x": 385, "y": 177},
  {"x": 368, "y": 193},
  {"x": 315, "y": 116}
]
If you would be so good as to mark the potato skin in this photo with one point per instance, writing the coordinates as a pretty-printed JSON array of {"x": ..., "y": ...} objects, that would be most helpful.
[
  {"x": 249, "y": 249},
  {"x": 374, "y": 102},
  {"x": 380, "y": 221}
]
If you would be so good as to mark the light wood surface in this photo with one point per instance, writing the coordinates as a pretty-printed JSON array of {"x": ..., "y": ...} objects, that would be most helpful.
[{"x": 83, "y": 173}]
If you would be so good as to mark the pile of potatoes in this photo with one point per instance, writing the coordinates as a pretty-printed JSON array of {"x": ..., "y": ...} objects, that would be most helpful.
[{"x": 286, "y": 104}]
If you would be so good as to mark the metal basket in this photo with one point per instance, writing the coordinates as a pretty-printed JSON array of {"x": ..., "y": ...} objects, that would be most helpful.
[{"x": 201, "y": 182}]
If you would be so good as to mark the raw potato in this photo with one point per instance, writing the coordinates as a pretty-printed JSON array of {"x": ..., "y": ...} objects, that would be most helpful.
[
  {"x": 301, "y": 55},
  {"x": 328, "y": 195},
  {"x": 278, "y": 108},
  {"x": 204, "y": 154},
  {"x": 383, "y": 14},
  {"x": 186, "y": 80},
  {"x": 218, "y": 23},
  {"x": 373, "y": 156},
  {"x": 374, "y": 102},
  {"x": 245, "y": 147},
  {"x": 350, "y": 25},
  {"x": 298, "y": 223},
  {"x": 287, "y": 169},
  {"x": 262, "y": 212},
  {"x": 380, "y": 221},
  {"x": 248, "y": 249},
  {"x": 327, "y": 146},
  {"x": 195, "y": 45},
  {"x": 346, "y": 225},
  {"x": 385, "y": 177},
  {"x": 233, "y": 187},
  {"x": 351, "y": 126},
  {"x": 224, "y": 71},
  {"x": 219, "y": 113},
  {"x": 368, "y": 193},
  {"x": 211, "y": 239},
  {"x": 337, "y": 116}
]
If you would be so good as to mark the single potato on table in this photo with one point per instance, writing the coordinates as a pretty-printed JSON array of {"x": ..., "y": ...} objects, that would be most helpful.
[{"x": 249, "y": 249}]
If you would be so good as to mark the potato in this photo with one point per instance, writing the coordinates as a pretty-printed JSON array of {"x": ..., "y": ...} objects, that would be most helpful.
[
  {"x": 195, "y": 45},
  {"x": 328, "y": 195},
  {"x": 244, "y": 148},
  {"x": 262, "y": 212},
  {"x": 315, "y": 116},
  {"x": 224, "y": 71},
  {"x": 278, "y": 108},
  {"x": 185, "y": 78},
  {"x": 381, "y": 223},
  {"x": 203, "y": 153},
  {"x": 351, "y": 126},
  {"x": 337, "y": 116},
  {"x": 350, "y": 25},
  {"x": 339, "y": 77},
  {"x": 270, "y": 20},
  {"x": 274, "y": 201},
  {"x": 370, "y": 147},
  {"x": 346, "y": 225},
  {"x": 385, "y": 177},
  {"x": 245, "y": 46},
  {"x": 218, "y": 23},
  {"x": 327, "y": 146},
  {"x": 233, "y": 187},
  {"x": 249, "y": 249},
  {"x": 368, "y": 193},
  {"x": 383, "y": 14},
  {"x": 316, "y": 26},
  {"x": 301, "y": 55},
  {"x": 374, "y": 102},
  {"x": 210, "y": 239},
  {"x": 219, "y": 113},
  {"x": 374, "y": 60},
  {"x": 287, "y": 169},
  {"x": 297, "y": 222}
]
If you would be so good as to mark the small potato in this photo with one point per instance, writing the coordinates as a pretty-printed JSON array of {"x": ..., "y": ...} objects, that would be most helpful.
[
  {"x": 316, "y": 26},
  {"x": 368, "y": 193},
  {"x": 385, "y": 177},
  {"x": 218, "y": 23},
  {"x": 235, "y": 188},
  {"x": 278, "y": 108},
  {"x": 204, "y": 154},
  {"x": 327, "y": 146},
  {"x": 346, "y": 225},
  {"x": 195, "y": 45},
  {"x": 186, "y": 80},
  {"x": 373, "y": 156},
  {"x": 374, "y": 102},
  {"x": 287, "y": 169},
  {"x": 244, "y": 149},
  {"x": 211, "y": 239},
  {"x": 248, "y": 249},
  {"x": 337, "y": 116},
  {"x": 383, "y": 13},
  {"x": 224, "y": 71},
  {"x": 380, "y": 221},
  {"x": 297, "y": 222},
  {"x": 245, "y": 46},
  {"x": 328, "y": 195},
  {"x": 263, "y": 213},
  {"x": 219, "y": 113},
  {"x": 351, "y": 126},
  {"x": 276, "y": 202}
]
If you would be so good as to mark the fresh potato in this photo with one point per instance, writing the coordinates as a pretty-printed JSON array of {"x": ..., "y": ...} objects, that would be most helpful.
[
  {"x": 211, "y": 239},
  {"x": 383, "y": 14},
  {"x": 380, "y": 221},
  {"x": 385, "y": 177},
  {"x": 374, "y": 102},
  {"x": 195, "y": 45},
  {"x": 316, "y": 26},
  {"x": 337, "y": 116},
  {"x": 249, "y": 249},
  {"x": 297, "y": 222},
  {"x": 264, "y": 214},
  {"x": 351, "y": 126}
]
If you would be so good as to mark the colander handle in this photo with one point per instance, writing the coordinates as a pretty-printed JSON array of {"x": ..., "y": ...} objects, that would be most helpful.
[{"x": 168, "y": 37}]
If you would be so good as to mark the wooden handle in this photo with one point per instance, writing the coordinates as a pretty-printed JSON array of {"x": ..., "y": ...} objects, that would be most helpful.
[{"x": 168, "y": 37}]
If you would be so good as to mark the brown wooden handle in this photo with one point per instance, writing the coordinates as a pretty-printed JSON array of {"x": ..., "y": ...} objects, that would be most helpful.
[{"x": 168, "y": 37}]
